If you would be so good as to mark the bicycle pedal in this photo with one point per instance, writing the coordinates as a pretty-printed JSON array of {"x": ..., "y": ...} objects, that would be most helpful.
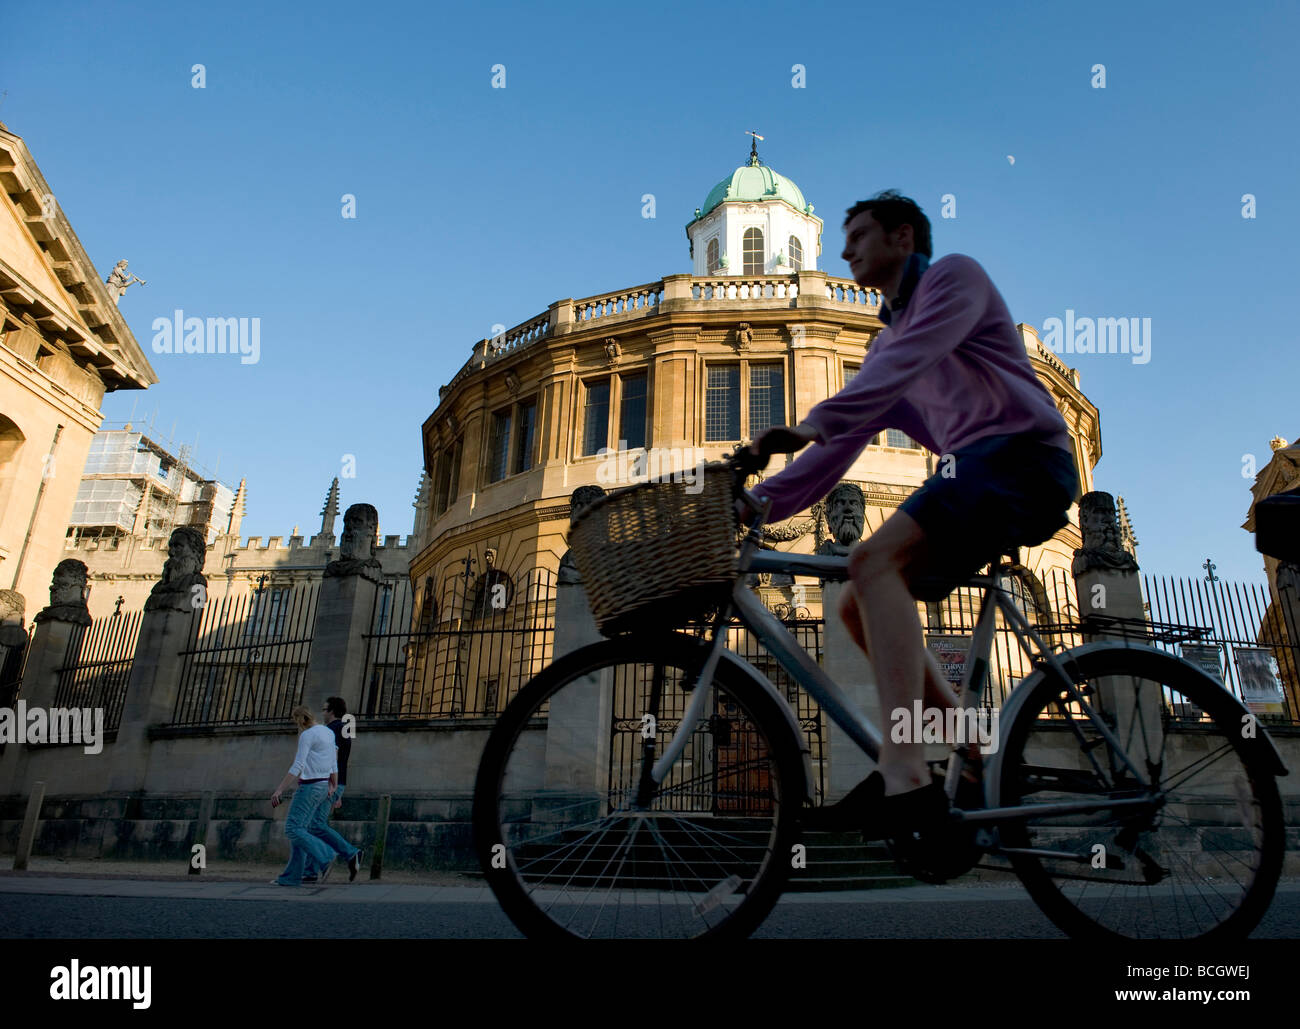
[{"x": 935, "y": 859}]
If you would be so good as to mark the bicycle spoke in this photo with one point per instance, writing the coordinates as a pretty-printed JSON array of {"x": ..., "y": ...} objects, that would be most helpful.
[
  {"x": 621, "y": 856},
  {"x": 1189, "y": 865}
]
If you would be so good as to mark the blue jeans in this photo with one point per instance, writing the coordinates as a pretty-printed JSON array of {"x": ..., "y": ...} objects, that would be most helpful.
[
  {"x": 297, "y": 828},
  {"x": 320, "y": 828}
]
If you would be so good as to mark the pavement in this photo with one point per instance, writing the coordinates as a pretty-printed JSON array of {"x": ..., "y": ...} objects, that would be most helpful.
[
  {"x": 57, "y": 877},
  {"x": 97, "y": 878}
]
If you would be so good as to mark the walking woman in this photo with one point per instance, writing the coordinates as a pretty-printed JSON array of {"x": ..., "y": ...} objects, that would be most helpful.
[{"x": 315, "y": 770}]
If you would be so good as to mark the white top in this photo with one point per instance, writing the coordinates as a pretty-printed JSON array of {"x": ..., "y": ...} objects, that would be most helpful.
[{"x": 317, "y": 756}]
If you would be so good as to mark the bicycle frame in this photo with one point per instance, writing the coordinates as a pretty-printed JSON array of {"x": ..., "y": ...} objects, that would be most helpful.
[{"x": 755, "y": 616}]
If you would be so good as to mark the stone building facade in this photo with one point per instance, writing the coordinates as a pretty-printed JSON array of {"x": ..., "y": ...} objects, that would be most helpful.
[
  {"x": 657, "y": 377},
  {"x": 126, "y": 566},
  {"x": 63, "y": 345},
  {"x": 132, "y": 483},
  {"x": 1282, "y": 619}
]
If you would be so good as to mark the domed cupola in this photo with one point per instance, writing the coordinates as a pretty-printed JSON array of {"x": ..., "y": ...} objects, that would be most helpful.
[{"x": 754, "y": 222}]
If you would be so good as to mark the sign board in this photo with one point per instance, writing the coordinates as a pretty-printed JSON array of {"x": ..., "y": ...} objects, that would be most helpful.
[
  {"x": 951, "y": 653},
  {"x": 1261, "y": 685},
  {"x": 1206, "y": 656}
]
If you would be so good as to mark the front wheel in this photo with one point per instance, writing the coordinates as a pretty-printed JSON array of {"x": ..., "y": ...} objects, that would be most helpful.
[
  {"x": 576, "y": 840},
  {"x": 1197, "y": 852}
]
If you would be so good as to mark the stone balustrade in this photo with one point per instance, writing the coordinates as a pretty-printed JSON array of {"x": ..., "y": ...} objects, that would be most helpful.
[
  {"x": 520, "y": 336},
  {"x": 847, "y": 291},
  {"x": 726, "y": 288},
  {"x": 638, "y": 299},
  {"x": 732, "y": 290}
]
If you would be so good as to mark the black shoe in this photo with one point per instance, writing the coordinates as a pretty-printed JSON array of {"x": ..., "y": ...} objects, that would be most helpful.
[
  {"x": 859, "y": 808},
  {"x": 309, "y": 878},
  {"x": 925, "y": 842},
  {"x": 354, "y": 866},
  {"x": 325, "y": 872},
  {"x": 903, "y": 816}
]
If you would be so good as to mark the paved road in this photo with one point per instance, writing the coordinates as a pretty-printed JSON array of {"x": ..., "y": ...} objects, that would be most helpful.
[{"x": 88, "y": 909}]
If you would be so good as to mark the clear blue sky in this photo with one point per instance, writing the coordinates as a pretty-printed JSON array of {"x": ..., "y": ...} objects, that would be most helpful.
[{"x": 478, "y": 205}]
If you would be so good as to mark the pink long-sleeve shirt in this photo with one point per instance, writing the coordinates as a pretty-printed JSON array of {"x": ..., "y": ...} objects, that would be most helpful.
[{"x": 949, "y": 369}]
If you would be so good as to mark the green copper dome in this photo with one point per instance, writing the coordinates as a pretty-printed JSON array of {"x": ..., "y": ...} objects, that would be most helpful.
[{"x": 755, "y": 182}]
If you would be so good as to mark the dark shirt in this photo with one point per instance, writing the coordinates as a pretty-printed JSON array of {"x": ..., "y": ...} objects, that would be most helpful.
[
  {"x": 912, "y": 271},
  {"x": 345, "y": 748}
]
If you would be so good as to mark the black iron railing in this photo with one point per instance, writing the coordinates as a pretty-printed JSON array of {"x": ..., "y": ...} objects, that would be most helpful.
[
  {"x": 97, "y": 665},
  {"x": 466, "y": 655},
  {"x": 249, "y": 659}
]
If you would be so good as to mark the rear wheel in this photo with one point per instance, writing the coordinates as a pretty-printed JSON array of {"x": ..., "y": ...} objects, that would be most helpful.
[
  {"x": 1197, "y": 856},
  {"x": 577, "y": 841}
]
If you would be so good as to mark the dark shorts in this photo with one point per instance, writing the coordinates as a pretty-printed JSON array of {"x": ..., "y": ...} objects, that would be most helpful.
[{"x": 984, "y": 500}]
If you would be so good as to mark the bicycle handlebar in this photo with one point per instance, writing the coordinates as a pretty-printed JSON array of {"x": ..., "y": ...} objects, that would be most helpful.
[{"x": 777, "y": 440}]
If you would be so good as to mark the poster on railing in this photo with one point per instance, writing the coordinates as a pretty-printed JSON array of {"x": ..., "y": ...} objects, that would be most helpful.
[
  {"x": 1208, "y": 657},
  {"x": 951, "y": 653},
  {"x": 1261, "y": 685}
]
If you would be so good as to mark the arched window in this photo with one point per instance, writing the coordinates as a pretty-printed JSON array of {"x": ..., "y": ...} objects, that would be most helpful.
[
  {"x": 711, "y": 256},
  {"x": 796, "y": 254},
  {"x": 11, "y": 442},
  {"x": 1028, "y": 594},
  {"x": 753, "y": 250}
]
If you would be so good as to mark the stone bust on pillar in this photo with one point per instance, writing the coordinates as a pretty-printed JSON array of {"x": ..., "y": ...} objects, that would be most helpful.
[
  {"x": 12, "y": 607},
  {"x": 579, "y": 501},
  {"x": 357, "y": 556},
  {"x": 67, "y": 594},
  {"x": 846, "y": 513},
  {"x": 1101, "y": 548},
  {"x": 182, "y": 573}
]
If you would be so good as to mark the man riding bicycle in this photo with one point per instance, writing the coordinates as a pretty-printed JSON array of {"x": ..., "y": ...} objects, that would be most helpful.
[{"x": 950, "y": 370}]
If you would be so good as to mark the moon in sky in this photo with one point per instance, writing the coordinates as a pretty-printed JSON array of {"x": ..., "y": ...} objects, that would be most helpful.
[{"x": 1011, "y": 159}]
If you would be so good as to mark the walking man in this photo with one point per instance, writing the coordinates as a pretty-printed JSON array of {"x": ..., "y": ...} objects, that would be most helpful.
[
  {"x": 315, "y": 771},
  {"x": 335, "y": 709}
]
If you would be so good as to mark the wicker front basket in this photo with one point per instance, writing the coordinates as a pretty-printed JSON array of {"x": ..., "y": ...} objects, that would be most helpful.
[{"x": 654, "y": 555}]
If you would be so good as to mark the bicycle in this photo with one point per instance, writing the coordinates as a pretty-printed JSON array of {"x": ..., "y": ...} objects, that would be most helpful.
[{"x": 1087, "y": 797}]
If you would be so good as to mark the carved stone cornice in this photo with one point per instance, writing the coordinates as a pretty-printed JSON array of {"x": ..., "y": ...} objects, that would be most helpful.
[
  {"x": 810, "y": 333},
  {"x": 675, "y": 337}
]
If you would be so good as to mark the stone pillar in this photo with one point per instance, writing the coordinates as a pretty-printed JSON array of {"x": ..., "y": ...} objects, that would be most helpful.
[
  {"x": 169, "y": 627},
  {"x": 338, "y": 653},
  {"x": 55, "y": 640},
  {"x": 151, "y": 692},
  {"x": 843, "y": 660},
  {"x": 1288, "y": 594},
  {"x": 13, "y": 643},
  {"x": 849, "y": 668},
  {"x": 578, "y": 729},
  {"x": 559, "y": 317},
  {"x": 343, "y": 614},
  {"x": 1107, "y": 585},
  {"x": 677, "y": 292}
]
